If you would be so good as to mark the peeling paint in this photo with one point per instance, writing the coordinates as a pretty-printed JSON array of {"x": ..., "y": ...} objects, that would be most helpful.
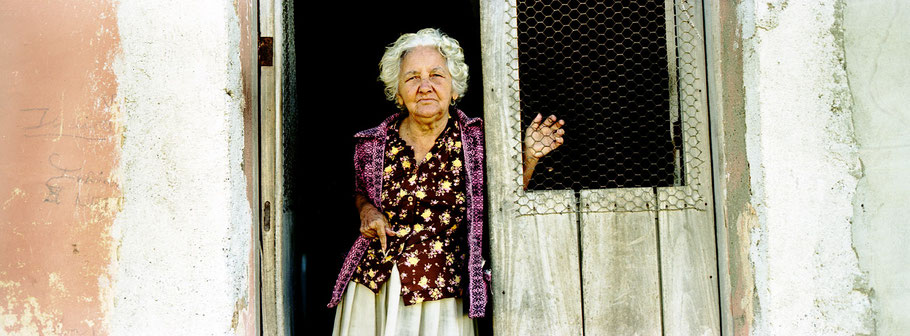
[
  {"x": 57, "y": 118},
  {"x": 182, "y": 241},
  {"x": 15, "y": 194},
  {"x": 744, "y": 301},
  {"x": 804, "y": 169}
]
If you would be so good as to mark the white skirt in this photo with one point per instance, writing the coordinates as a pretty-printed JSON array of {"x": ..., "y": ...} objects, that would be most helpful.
[{"x": 362, "y": 312}]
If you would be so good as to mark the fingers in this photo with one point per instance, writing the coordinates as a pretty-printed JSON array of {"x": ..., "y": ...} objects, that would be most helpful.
[
  {"x": 535, "y": 124},
  {"x": 367, "y": 231},
  {"x": 550, "y": 120},
  {"x": 543, "y": 136},
  {"x": 379, "y": 228},
  {"x": 382, "y": 242}
]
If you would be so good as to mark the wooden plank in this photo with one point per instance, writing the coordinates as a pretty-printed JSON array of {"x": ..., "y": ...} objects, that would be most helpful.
[
  {"x": 536, "y": 280},
  {"x": 620, "y": 281},
  {"x": 256, "y": 207},
  {"x": 267, "y": 196},
  {"x": 536, "y": 275},
  {"x": 687, "y": 233},
  {"x": 689, "y": 272},
  {"x": 717, "y": 33},
  {"x": 267, "y": 18},
  {"x": 281, "y": 227}
]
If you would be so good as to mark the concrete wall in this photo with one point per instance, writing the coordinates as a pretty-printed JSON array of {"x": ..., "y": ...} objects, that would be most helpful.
[
  {"x": 125, "y": 180},
  {"x": 877, "y": 44},
  {"x": 827, "y": 146},
  {"x": 183, "y": 234}
]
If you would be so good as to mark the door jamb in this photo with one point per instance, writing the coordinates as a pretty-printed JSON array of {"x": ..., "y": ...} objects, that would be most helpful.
[
  {"x": 274, "y": 305},
  {"x": 720, "y": 19}
]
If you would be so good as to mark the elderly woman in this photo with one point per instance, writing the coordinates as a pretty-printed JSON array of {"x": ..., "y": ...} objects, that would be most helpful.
[{"x": 419, "y": 192}]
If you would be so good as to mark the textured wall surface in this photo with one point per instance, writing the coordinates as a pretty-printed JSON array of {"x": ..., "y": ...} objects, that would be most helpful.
[
  {"x": 877, "y": 42},
  {"x": 59, "y": 143},
  {"x": 804, "y": 169},
  {"x": 183, "y": 235},
  {"x": 124, "y": 202}
]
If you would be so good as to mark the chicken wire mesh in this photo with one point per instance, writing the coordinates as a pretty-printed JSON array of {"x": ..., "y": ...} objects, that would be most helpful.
[{"x": 625, "y": 77}]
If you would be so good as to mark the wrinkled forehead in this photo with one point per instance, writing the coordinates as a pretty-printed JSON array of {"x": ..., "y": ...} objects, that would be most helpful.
[{"x": 423, "y": 58}]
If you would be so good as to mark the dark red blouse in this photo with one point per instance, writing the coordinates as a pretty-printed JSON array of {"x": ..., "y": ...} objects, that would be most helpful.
[{"x": 425, "y": 205}]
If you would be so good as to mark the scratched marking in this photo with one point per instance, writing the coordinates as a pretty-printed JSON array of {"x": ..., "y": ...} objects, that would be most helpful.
[
  {"x": 75, "y": 177},
  {"x": 48, "y": 125}
]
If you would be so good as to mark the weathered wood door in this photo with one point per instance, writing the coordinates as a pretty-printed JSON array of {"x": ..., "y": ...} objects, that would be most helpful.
[{"x": 602, "y": 261}]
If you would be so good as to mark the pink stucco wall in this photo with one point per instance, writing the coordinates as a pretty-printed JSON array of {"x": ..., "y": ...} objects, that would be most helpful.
[
  {"x": 60, "y": 160},
  {"x": 58, "y": 152}
]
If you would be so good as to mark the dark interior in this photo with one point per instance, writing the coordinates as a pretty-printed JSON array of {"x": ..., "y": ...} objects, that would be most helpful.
[
  {"x": 338, "y": 46},
  {"x": 601, "y": 66}
]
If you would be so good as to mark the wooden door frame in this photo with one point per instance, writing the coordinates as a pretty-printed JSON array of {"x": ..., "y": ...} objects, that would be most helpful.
[
  {"x": 274, "y": 305},
  {"x": 732, "y": 210},
  {"x": 256, "y": 301},
  {"x": 717, "y": 27}
]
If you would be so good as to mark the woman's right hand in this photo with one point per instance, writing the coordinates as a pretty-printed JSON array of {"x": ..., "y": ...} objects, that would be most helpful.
[{"x": 372, "y": 222}]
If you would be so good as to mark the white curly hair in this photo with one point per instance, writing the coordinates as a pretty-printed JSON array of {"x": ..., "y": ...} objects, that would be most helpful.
[{"x": 390, "y": 64}]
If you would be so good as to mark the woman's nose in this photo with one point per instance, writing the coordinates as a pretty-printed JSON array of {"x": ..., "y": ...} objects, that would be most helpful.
[{"x": 425, "y": 85}]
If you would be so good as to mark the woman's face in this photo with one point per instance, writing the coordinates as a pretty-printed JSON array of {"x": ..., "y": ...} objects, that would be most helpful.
[{"x": 424, "y": 83}]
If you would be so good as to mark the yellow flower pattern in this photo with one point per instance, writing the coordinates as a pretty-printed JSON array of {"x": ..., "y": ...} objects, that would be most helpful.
[{"x": 424, "y": 202}]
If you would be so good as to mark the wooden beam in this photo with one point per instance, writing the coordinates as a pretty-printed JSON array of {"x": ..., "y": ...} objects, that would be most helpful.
[
  {"x": 536, "y": 280},
  {"x": 620, "y": 276}
]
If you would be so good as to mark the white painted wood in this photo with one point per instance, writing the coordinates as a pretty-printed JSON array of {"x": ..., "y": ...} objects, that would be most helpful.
[
  {"x": 267, "y": 17},
  {"x": 689, "y": 272},
  {"x": 256, "y": 300},
  {"x": 275, "y": 276},
  {"x": 281, "y": 225},
  {"x": 621, "y": 283},
  {"x": 267, "y": 194}
]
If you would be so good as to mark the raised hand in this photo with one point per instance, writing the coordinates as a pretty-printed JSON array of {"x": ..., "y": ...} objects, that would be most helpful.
[{"x": 541, "y": 138}]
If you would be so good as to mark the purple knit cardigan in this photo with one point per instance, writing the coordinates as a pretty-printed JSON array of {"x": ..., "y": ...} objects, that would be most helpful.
[{"x": 368, "y": 162}]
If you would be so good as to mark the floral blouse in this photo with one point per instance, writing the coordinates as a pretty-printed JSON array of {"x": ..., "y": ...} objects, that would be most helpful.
[{"x": 425, "y": 205}]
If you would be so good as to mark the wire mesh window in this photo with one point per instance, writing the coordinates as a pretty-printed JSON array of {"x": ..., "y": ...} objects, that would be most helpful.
[{"x": 603, "y": 67}]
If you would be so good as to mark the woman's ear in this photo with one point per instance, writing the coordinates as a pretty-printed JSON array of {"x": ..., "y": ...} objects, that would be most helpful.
[{"x": 398, "y": 100}]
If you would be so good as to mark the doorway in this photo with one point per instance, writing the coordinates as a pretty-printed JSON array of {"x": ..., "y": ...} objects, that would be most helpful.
[{"x": 339, "y": 50}]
